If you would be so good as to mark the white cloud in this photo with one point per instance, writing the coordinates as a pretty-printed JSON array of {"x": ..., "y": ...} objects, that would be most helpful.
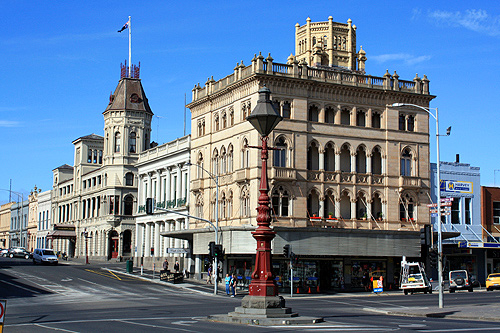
[
  {"x": 408, "y": 59},
  {"x": 477, "y": 20},
  {"x": 8, "y": 123}
]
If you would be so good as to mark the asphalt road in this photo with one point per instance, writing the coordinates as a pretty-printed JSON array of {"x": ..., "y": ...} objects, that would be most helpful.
[{"x": 90, "y": 298}]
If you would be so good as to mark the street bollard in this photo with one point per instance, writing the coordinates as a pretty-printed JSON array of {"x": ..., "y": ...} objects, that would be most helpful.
[
  {"x": 153, "y": 271},
  {"x": 142, "y": 270}
]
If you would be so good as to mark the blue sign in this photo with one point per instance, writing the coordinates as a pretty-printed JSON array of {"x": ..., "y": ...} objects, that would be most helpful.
[
  {"x": 378, "y": 290},
  {"x": 455, "y": 186}
]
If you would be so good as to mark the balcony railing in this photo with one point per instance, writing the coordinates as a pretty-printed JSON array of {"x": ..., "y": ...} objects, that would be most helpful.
[
  {"x": 405, "y": 181},
  {"x": 278, "y": 173}
]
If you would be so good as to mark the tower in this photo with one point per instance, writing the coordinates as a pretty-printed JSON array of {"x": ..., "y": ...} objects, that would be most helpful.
[{"x": 127, "y": 122}]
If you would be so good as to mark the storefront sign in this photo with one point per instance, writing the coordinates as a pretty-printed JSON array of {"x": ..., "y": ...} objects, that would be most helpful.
[
  {"x": 479, "y": 245},
  {"x": 177, "y": 250},
  {"x": 456, "y": 187}
]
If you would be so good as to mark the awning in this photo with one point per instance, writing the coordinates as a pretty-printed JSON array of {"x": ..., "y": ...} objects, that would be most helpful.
[{"x": 66, "y": 234}]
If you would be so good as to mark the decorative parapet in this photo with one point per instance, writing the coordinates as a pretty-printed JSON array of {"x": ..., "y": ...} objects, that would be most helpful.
[{"x": 293, "y": 69}]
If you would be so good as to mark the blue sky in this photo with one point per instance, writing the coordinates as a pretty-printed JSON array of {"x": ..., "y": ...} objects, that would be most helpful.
[{"x": 61, "y": 59}]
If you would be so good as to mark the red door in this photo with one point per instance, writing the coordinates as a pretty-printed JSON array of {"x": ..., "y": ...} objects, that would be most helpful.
[{"x": 114, "y": 247}]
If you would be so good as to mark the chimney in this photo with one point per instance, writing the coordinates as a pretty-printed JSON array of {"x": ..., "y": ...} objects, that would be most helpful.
[{"x": 457, "y": 158}]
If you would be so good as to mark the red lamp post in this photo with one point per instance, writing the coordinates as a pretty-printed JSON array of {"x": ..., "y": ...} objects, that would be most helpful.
[{"x": 264, "y": 118}]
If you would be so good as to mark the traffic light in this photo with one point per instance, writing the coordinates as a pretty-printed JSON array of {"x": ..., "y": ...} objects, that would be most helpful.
[
  {"x": 286, "y": 251},
  {"x": 218, "y": 251},
  {"x": 425, "y": 235},
  {"x": 211, "y": 249},
  {"x": 433, "y": 258},
  {"x": 149, "y": 206}
]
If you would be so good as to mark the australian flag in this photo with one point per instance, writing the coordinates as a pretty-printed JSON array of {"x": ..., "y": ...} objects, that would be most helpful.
[{"x": 125, "y": 26}]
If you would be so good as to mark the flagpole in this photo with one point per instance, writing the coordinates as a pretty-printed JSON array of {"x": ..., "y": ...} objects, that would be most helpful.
[{"x": 129, "y": 46}]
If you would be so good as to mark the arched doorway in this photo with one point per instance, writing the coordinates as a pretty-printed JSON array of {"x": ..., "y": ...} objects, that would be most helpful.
[
  {"x": 127, "y": 243},
  {"x": 113, "y": 244}
]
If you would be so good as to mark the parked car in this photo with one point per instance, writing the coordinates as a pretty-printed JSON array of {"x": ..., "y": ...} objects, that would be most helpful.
[
  {"x": 493, "y": 281},
  {"x": 460, "y": 280},
  {"x": 44, "y": 256},
  {"x": 4, "y": 252},
  {"x": 19, "y": 252}
]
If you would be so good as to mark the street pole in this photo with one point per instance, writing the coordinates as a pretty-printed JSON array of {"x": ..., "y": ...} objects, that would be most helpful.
[{"x": 438, "y": 195}]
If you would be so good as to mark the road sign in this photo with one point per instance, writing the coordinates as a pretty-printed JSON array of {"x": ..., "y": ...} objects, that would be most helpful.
[
  {"x": 443, "y": 204},
  {"x": 3, "y": 305}
]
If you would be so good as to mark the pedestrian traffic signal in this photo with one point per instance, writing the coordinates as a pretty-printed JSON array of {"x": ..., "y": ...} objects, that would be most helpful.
[
  {"x": 149, "y": 206},
  {"x": 286, "y": 251},
  {"x": 211, "y": 249},
  {"x": 433, "y": 257},
  {"x": 425, "y": 235}
]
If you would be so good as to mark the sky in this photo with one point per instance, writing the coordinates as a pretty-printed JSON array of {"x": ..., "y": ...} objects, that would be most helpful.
[{"x": 60, "y": 60}]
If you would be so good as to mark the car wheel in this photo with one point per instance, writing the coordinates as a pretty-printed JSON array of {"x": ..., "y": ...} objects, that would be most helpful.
[
  {"x": 425, "y": 291},
  {"x": 406, "y": 292},
  {"x": 488, "y": 289},
  {"x": 471, "y": 290},
  {"x": 34, "y": 261},
  {"x": 11, "y": 255},
  {"x": 452, "y": 290}
]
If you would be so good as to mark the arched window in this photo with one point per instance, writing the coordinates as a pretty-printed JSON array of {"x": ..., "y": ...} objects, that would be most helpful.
[
  {"x": 376, "y": 161},
  {"x": 345, "y": 158},
  {"x": 128, "y": 205},
  {"x": 89, "y": 158},
  {"x": 230, "y": 204},
  {"x": 345, "y": 117},
  {"x": 215, "y": 162},
  {"x": 199, "y": 205},
  {"x": 216, "y": 122},
  {"x": 223, "y": 205},
  {"x": 377, "y": 207},
  {"x": 100, "y": 156},
  {"x": 132, "y": 143},
  {"x": 329, "y": 157},
  {"x": 245, "y": 154},
  {"x": 361, "y": 160},
  {"x": 230, "y": 158},
  {"x": 345, "y": 206},
  {"x": 313, "y": 114},
  {"x": 94, "y": 153},
  {"x": 406, "y": 157},
  {"x": 313, "y": 204},
  {"x": 280, "y": 202},
  {"x": 361, "y": 203},
  {"x": 199, "y": 161},
  {"x": 224, "y": 120},
  {"x": 129, "y": 179},
  {"x": 231, "y": 116},
  {"x": 223, "y": 161},
  {"x": 286, "y": 110},
  {"x": 280, "y": 154},
  {"x": 245, "y": 202},
  {"x": 406, "y": 206},
  {"x": 117, "y": 142},
  {"x": 313, "y": 157}
]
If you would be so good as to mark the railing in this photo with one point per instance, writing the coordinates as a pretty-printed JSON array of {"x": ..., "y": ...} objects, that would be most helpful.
[
  {"x": 377, "y": 179},
  {"x": 331, "y": 176},
  {"x": 362, "y": 178},
  {"x": 282, "y": 68},
  {"x": 410, "y": 181},
  {"x": 313, "y": 175},
  {"x": 283, "y": 173},
  {"x": 346, "y": 177}
]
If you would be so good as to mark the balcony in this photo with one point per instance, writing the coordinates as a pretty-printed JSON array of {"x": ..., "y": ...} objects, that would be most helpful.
[
  {"x": 196, "y": 184},
  {"x": 314, "y": 175},
  {"x": 410, "y": 182},
  {"x": 242, "y": 175},
  {"x": 278, "y": 173}
]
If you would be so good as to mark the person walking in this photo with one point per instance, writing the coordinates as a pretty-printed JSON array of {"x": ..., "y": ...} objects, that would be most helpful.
[
  {"x": 233, "y": 285},
  {"x": 228, "y": 283},
  {"x": 176, "y": 267},
  {"x": 209, "y": 275},
  {"x": 165, "y": 265}
]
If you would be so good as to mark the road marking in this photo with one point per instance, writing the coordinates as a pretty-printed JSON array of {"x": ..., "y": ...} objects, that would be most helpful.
[
  {"x": 18, "y": 286},
  {"x": 114, "y": 275},
  {"x": 126, "y": 321},
  {"x": 184, "y": 322},
  {"x": 469, "y": 329},
  {"x": 55, "y": 328}
]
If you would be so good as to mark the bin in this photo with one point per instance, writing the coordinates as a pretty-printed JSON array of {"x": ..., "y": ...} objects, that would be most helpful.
[{"x": 130, "y": 266}]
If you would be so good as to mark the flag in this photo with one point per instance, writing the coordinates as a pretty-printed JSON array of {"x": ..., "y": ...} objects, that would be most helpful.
[{"x": 125, "y": 26}]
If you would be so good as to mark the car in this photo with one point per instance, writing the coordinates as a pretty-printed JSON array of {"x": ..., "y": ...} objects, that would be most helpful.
[
  {"x": 44, "y": 256},
  {"x": 460, "y": 279},
  {"x": 4, "y": 252},
  {"x": 19, "y": 252},
  {"x": 493, "y": 281}
]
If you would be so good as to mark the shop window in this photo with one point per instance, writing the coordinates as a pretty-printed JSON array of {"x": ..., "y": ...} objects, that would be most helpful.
[{"x": 455, "y": 211}]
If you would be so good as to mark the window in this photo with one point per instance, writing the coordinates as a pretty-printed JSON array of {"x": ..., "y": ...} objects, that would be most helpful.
[
  {"x": 117, "y": 142},
  {"x": 222, "y": 204},
  {"x": 132, "y": 143},
  {"x": 313, "y": 114},
  {"x": 496, "y": 212},
  {"x": 199, "y": 205},
  {"x": 345, "y": 117},
  {"x": 128, "y": 205},
  {"x": 280, "y": 154},
  {"x": 467, "y": 210},
  {"x": 231, "y": 116},
  {"x": 376, "y": 120},
  {"x": 345, "y": 158},
  {"x": 406, "y": 163},
  {"x": 329, "y": 115},
  {"x": 313, "y": 157},
  {"x": 129, "y": 179},
  {"x": 230, "y": 158},
  {"x": 406, "y": 208},
  {"x": 114, "y": 204},
  {"x": 280, "y": 202},
  {"x": 223, "y": 161},
  {"x": 361, "y": 118},
  {"x": 89, "y": 158},
  {"x": 95, "y": 156},
  {"x": 245, "y": 154},
  {"x": 330, "y": 157},
  {"x": 245, "y": 202},
  {"x": 230, "y": 204},
  {"x": 410, "y": 124},
  {"x": 215, "y": 163},
  {"x": 199, "y": 173},
  {"x": 455, "y": 211},
  {"x": 216, "y": 122},
  {"x": 361, "y": 160},
  {"x": 376, "y": 161},
  {"x": 224, "y": 120},
  {"x": 100, "y": 156},
  {"x": 286, "y": 110}
]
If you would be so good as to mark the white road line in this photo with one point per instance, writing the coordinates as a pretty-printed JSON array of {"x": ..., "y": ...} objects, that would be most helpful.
[
  {"x": 126, "y": 321},
  {"x": 54, "y": 328},
  {"x": 18, "y": 286},
  {"x": 469, "y": 329}
]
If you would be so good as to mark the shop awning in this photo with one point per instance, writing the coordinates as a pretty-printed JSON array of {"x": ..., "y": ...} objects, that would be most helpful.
[{"x": 66, "y": 234}]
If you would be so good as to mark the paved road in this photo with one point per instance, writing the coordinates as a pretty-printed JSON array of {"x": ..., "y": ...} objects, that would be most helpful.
[{"x": 97, "y": 297}]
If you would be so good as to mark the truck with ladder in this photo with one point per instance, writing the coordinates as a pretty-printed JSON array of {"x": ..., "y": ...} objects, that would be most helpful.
[{"x": 413, "y": 278}]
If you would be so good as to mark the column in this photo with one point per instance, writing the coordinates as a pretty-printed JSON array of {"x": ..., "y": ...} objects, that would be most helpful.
[
  {"x": 158, "y": 186},
  {"x": 353, "y": 162},
  {"x": 321, "y": 206},
  {"x": 353, "y": 209},
  {"x": 337, "y": 161},
  {"x": 157, "y": 240},
  {"x": 321, "y": 159},
  {"x": 170, "y": 239},
  {"x": 167, "y": 191},
  {"x": 383, "y": 165},
  {"x": 369, "y": 210},
  {"x": 150, "y": 186},
  {"x": 147, "y": 241},
  {"x": 369, "y": 118},
  {"x": 177, "y": 240},
  {"x": 140, "y": 191},
  {"x": 368, "y": 163},
  {"x": 179, "y": 183}
]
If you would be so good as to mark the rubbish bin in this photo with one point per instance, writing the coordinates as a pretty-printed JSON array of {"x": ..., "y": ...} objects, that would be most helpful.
[{"x": 130, "y": 266}]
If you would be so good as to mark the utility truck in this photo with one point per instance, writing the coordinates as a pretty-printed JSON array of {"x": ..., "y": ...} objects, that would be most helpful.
[{"x": 413, "y": 278}]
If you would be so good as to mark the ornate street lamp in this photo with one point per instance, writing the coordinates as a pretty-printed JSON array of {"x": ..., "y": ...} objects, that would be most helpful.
[{"x": 264, "y": 118}]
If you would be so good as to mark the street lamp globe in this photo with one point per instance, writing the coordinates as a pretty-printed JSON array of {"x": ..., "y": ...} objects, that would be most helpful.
[{"x": 264, "y": 117}]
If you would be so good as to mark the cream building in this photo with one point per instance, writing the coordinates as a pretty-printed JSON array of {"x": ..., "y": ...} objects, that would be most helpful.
[
  {"x": 5, "y": 218},
  {"x": 33, "y": 218},
  {"x": 163, "y": 176},
  {"x": 350, "y": 183},
  {"x": 43, "y": 220},
  {"x": 94, "y": 201}
]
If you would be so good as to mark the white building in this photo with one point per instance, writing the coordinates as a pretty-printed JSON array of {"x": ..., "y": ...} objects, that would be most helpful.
[
  {"x": 44, "y": 222},
  {"x": 163, "y": 176}
]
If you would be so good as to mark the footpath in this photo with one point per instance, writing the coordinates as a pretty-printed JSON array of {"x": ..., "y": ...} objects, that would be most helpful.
[{"x": 489, "y": 312}]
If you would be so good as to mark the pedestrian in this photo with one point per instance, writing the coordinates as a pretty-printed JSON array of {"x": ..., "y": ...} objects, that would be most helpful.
[
  {"x": 165, "y": 265},
  {"x": 233, "y": 285},
  {"x": 228, "y": 283},
  {"x": 209, "y": 275},
  {"x": 176, "y": 267}
]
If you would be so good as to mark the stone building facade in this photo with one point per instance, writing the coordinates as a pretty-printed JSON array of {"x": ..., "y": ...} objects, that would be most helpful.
[
  {"x": 97, "y": 196},
  {"x": 43, "y": 220},
  {"x": 5, "y": 219},
  {"x": 350, "y": 169}
]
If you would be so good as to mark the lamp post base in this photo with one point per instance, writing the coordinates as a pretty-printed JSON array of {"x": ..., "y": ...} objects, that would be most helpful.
[{"x": 264, "y": 310}]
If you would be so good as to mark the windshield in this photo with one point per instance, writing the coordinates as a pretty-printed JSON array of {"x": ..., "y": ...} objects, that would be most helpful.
[
  {"x": 48, "y": 252},
  {"x": 454, "y": 275},
  {"x": 494, "y": 276}
]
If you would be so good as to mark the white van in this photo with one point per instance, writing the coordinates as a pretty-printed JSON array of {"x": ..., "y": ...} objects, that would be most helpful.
[{"x": 44, "y": 256}]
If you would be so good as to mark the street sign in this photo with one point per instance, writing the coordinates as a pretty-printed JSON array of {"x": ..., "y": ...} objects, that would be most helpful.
[
  {"x": 177, "y": 250},
  {"x": 443, "y": 204},
  {"x": 3, "y": 305}
]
